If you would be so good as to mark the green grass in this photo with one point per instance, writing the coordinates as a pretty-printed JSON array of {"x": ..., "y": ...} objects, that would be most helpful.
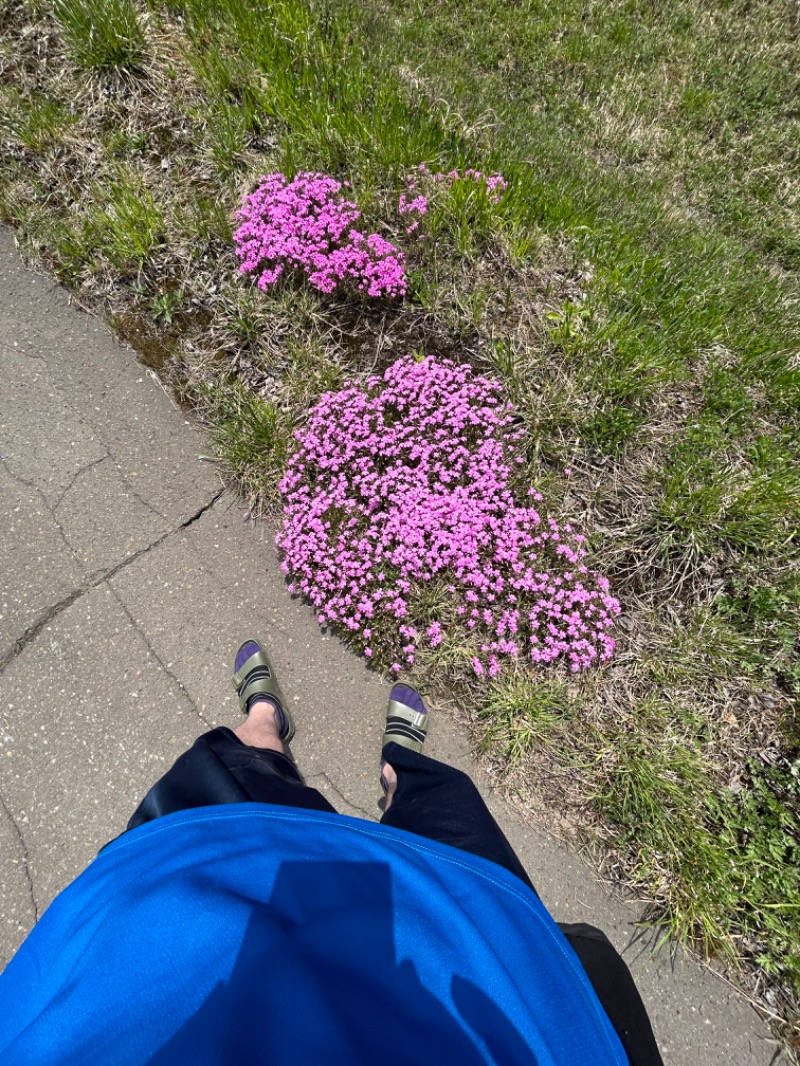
[
  {"x": 722, "y": 864},
  {"x": 250, "y": 433},
  {"x": 37, "y": 122},
  {"x": 103, "y": 36},
  {"x": 677, "y": 98},
  {"x": 127, "y": 225},
  {"x": 742, "y": 848},
  {"x": 520, "y": 718},
  {"x": 636, "y": 292}
]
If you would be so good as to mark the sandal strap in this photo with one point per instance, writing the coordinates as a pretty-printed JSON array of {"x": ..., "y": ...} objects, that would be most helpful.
[
  {"x": 265, "y": 685},
  {"x": 258, "y": 658},
  {"x": 403, "y": 712},
  {"x": 405, "y": 727},
  {"x": 404, "y": 742}
]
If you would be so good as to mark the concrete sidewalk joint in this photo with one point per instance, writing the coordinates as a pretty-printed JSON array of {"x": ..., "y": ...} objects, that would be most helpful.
[
  {"x": 32, "y": 632},
  {"x": 151, "y": 647}
]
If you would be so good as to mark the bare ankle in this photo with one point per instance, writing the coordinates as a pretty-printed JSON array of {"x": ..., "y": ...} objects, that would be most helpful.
[
  {"x": 390, "y": 777},
  {"x": 260, "y": 728}
]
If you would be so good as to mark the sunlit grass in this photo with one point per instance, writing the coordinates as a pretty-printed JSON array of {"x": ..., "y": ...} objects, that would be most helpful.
[{"x": 102, "y": 35}]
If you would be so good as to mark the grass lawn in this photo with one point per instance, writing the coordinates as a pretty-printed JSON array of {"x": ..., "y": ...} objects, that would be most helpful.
[{"x": 635, "y": 291}]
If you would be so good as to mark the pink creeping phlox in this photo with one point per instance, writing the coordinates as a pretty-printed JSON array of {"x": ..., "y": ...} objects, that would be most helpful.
[
  {"x": 305, "y": 224},
  {"x": 407, "y": 481},
  {"x": 417, "y": 205}
]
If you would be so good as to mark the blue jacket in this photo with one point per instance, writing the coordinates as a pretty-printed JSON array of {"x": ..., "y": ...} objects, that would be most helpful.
[{"x": 247, "y": 933}]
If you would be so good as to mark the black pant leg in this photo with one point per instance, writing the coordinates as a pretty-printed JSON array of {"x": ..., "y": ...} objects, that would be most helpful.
[
  {"x": 615, "y": 988},
  {"x": 219, "y": 768},
  {"x": 441, "y": 803}
]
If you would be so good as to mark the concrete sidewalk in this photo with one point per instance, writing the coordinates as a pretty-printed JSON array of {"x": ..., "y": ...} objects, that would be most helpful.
[{"x": 128, "y": 579}]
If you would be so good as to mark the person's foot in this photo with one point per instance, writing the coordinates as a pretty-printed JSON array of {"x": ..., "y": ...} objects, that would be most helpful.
[
  {"x": 260, "y": 728},
  {"x": 407, "y": 725},
  {"x": 257, "y": 687},
  {"x": 388, "y": 784}
]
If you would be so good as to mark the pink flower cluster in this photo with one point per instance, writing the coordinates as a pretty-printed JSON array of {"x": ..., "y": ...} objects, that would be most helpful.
[
  {"x": 495, "y": 184},
  {"x": 305, "y": 224},
  {"x": 417, "y": 203},
  {"x": 406, "y": 482}
]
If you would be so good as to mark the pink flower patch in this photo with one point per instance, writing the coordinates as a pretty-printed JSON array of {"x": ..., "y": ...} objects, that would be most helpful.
[
  {"x": 405, "y": 481},
  {"x": 306, "y": 225}
]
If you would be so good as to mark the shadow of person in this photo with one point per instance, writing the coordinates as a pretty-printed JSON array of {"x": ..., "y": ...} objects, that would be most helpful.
[
  {"x": 317, "y": 980},
  {"x": 503, "y": 1042}
]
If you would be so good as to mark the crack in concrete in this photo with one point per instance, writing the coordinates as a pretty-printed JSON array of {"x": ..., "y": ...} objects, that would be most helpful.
[
  {"x": 96, "y": 432},
  {"x": 132, "y": 491},
  {"x": 49, "y": 615},
  {"x": 155, "y": 654},
  {"x": 80, "y": 471},
  {"x": 23, "y": 351},
  {"x": 26, "y": 860},
  {"x": 29, "y": 484},
  {"x": 137, "y": 496},
  {"x": 123, "y": 478},
  {"x": 340, "y": 794},
  {"x": 52, "y": 508}
]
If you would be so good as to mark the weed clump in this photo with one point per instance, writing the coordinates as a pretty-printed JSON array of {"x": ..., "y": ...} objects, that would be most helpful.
[{"x": 103, "y": 36}]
